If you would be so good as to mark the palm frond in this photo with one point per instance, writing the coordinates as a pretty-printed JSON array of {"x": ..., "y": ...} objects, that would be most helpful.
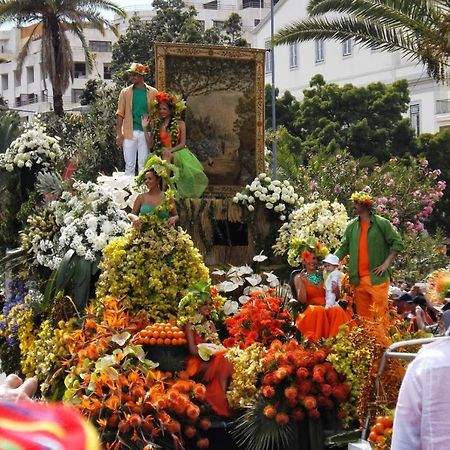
[{"x": 254, "y": 431}]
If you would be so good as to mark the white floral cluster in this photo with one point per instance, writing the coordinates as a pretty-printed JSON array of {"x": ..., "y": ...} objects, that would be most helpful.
[
  {"x": 240, "y": 281},
  {"x": 32, "y": 147},
  {"x": 323, "y": 220},
  {"x": 87, "y": 219},
  {"x": 276, "y": 195},
  {"x": 121, "y": 187}
]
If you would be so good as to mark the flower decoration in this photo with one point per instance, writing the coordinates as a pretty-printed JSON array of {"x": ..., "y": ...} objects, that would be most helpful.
[
  {"x": 173, "y": 101},
  {"x": 84, "y": 219},
  {"x": 189, "y": 310},
  {"x": 33, "y": 148},
  {"x": 438, "y": 285},
  {"x": 247, "y": 369},
  {"x": 161, "y": 167},
  {"x": 299, "y": 382},
  {"x": 262, "y": 319},
  {"x": 301, "y": 250},
  {"x": 141, "y": 69},
  {"x": 153, "y": 267},
  {"x": 323, "y": 220},
  {"x": 275, "y": 195},
  {"x": 132, "y": 404},
  {"x": 362, "y": 197}
]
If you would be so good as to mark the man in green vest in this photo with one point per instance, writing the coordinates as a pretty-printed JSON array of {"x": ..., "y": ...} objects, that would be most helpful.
[
  {"x": 135, "y": 101},
  {"x": 372, "y": 243}
]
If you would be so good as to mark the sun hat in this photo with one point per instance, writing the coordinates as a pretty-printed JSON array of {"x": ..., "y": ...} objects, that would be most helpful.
[
  {"x": 331, "y": 259},
  {"x": 141, "y": 69}
]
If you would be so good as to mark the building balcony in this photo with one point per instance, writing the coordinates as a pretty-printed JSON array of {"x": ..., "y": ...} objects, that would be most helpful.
[{"x": 26, "y": 99}]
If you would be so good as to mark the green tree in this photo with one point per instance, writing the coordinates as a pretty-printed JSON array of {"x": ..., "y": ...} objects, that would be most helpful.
[
  {"x": 287, "y": 109},
  {"x": 173, "y": 22},
  {"x": 365, "y": 120},
  {"x": 90, "y": 90},
  {"x": 52, "y": 19},
  {"x": 419, "y": 29}
]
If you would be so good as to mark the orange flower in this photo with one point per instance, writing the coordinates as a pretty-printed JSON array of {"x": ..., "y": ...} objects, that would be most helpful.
[
  {"x": 203, "y": 443},
  {"x": 309, "y": 402},
  {"x": 281, "y": 418},
  {"x": 270, "y": 411},
  {"x": 193, "y": 411},
  {"x": 190, "y": 431},
  {"x": 291, "y": 392},
  {"x": 268, "y": 391}
]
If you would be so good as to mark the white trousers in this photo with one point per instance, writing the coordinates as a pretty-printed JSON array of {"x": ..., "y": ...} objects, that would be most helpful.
[{"x": 132, "y": 148}]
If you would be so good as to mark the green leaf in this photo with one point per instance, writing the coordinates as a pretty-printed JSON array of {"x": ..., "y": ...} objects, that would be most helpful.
[{"x": 121, "y": 338}]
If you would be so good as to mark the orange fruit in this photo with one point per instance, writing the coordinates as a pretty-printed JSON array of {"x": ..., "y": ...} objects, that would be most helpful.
[
  {"x": 156, "y": 334},
  {"x": 152, "y": 341},
  {"x": 378, "y": 428},
  {"x": 169, "y": 333},
  {"x": 162, "y": 334},
  {"x": 373, "y": 436},
  {"x": 167, "y": 341},
  {"x": 381, "y": 440},
  {"x": 386, "y": 421},
  {"x": 160, "y": 341}
]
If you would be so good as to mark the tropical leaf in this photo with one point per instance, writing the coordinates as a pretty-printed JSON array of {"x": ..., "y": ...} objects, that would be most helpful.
[{"x": 252, "y": 430}]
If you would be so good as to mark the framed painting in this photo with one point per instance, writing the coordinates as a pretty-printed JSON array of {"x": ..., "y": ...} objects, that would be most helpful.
[{"x": 224, "y": 92}]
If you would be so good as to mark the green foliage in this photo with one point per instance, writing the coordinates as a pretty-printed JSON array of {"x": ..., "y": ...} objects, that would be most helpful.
[
  {"x": 365, "y": 120},
  {"x": 287, "y": 110},
  {"x": 9, "y": 207},
  {"x": 9, "y": 129},
  {"x": 173, "y": 22},
  {"x": 422, "y": 254},
  {"x": 94, "y": 144},
  {"x": 89, "y": 93}
]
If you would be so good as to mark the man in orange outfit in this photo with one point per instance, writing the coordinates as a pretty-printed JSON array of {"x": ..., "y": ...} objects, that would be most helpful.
[{"x": 372, "y": 244}]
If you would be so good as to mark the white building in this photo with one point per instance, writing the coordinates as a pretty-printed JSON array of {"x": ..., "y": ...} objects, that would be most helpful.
[
  {"x": 343, "y": 63},
  {"x": 211, "y": 13},
  {"x": 31, "y": 93}
]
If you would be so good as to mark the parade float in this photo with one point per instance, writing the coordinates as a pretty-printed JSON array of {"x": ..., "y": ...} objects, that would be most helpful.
[{"x": 98, "y": 311}]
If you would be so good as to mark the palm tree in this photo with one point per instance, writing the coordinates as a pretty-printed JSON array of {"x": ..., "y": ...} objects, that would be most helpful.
[
  {"x": 419, "y": 29},
  {"x": 51, "y": 19}
]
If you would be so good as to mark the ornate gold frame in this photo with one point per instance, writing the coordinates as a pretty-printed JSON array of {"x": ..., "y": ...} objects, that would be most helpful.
[{"x": 163, "y": 51}]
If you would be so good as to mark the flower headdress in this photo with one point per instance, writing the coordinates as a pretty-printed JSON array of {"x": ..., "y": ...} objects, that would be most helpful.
[
  {"x": 362, "y": 197},
  {"x": 190, "y": 304},
  {"x": 161, "y": 167},
  {"x": 141, "y": 69},
  {"x": 174, "y": 102},
  {"x": 301, "y": 250}
]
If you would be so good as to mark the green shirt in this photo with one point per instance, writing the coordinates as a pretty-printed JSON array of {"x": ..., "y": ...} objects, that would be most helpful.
[
  {"x": 139, "y": 106},
  {"x": 382, "y": 238}
]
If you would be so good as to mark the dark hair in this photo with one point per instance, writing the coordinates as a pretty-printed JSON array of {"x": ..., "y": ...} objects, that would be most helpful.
[
  {"x": 405, "y": 298},
  {"x": 420, "y": 300}
]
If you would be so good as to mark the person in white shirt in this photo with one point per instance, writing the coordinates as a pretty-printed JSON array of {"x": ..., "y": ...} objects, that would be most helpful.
[
  {"x": 333, "y": 280},
  {"x": 421, "y": 415}
]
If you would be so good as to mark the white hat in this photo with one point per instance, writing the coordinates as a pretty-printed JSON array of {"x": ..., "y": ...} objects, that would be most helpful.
[{"x": 331, "y": 259}]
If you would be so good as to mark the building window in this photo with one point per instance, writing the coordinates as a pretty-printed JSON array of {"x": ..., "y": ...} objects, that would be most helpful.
[
  {"x": 76, "y": 94},
  {"x": 347, "y": 47},
  {"x": 256, "y": 22},
  {"x": 4, "y": 81},
  {"x": 211, "y": 5},
  {"x": 268, "y": 47},
  {"x": 100, "y": 46},
  {"x": 252, "y": 4},
  {"x": 30, "y": 74},
  {"x": 293, "y": 62},
  {"x": 17, "y": 78},
  {"x": 107, "y": 71},
  {"x": 320, "y": 50},
  {"x": 414, "y": 117},
  {"x": 79, "y": 70},
  {"x": 218, "y": 24}
]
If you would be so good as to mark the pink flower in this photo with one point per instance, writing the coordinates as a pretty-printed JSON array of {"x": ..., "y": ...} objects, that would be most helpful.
[{"x": 419, "y": 226}]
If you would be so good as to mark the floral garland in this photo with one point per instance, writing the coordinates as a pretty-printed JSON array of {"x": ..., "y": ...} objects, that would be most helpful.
[{"x": 163, "y": 169}]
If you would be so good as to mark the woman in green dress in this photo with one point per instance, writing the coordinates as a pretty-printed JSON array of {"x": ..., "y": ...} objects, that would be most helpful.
[{"x": 168, "y": 140}]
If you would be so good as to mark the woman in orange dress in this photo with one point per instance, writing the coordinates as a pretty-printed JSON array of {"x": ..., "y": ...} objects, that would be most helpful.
[
  {"x": 216, "y": 371},
  {"x": 308, "y": 289}
]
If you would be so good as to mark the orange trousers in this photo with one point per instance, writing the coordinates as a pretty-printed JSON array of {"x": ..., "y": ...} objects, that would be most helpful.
[{"x": 371, "y": 301}]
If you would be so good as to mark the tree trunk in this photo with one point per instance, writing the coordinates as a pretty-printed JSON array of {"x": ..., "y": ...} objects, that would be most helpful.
[{"x": 58, "y": 103}]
